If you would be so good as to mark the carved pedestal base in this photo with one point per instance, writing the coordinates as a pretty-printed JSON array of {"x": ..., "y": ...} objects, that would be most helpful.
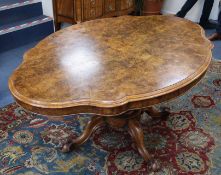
[{"x": 132, "y": 119}]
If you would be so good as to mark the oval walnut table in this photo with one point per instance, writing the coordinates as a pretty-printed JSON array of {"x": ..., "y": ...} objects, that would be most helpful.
[{"x": 114, "y": 68}]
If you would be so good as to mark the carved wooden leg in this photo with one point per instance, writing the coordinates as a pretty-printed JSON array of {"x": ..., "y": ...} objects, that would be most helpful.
[
  {"x": 131, "y": 118},
  {"x": 136, "y": 133},
  {"x": 91, "y": 126},
  {"x": 163, "y": 114}
]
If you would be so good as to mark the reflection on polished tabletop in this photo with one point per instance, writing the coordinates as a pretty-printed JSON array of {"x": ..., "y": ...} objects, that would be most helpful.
[
  {"x": 110, "y": 66},
  {"x": 110, "y": 62}
]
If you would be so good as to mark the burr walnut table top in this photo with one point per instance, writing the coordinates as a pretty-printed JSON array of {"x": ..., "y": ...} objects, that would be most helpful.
[{"x": 109, "y": 66}]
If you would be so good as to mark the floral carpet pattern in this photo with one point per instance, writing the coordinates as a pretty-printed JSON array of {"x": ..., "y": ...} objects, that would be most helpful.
[{"x": 188, "y": 143}]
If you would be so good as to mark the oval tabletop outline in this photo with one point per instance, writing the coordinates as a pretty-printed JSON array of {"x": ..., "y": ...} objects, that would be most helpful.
[{"x": 128, "y": 98}]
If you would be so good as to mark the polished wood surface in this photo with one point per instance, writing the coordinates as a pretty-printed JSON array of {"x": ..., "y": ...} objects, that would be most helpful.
[
  {"x": 73, "y": 11},
  {"x": 110, "y": 66},
  {"x": 115, "y": 68}
]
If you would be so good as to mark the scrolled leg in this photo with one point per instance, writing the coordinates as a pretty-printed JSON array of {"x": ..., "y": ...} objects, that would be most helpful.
[
  {"x": 91, "y": 126},
  {"x": 136, "y": 133}
]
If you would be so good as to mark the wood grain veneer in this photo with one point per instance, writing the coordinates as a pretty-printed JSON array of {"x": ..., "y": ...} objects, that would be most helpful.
[
  {"x": 109, "y": 66},
  {"x": 73, "y": 11}
]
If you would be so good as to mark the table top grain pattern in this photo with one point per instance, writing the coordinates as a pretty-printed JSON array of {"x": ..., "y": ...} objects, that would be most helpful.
[{"x": 111, "y": 63}]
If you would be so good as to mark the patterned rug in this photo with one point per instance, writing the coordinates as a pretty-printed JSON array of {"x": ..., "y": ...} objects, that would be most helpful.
[{"x": 189, "y": 142}]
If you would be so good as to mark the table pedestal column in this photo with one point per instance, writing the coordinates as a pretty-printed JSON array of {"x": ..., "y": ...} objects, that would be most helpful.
[{"x": 132, "y": 120}]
